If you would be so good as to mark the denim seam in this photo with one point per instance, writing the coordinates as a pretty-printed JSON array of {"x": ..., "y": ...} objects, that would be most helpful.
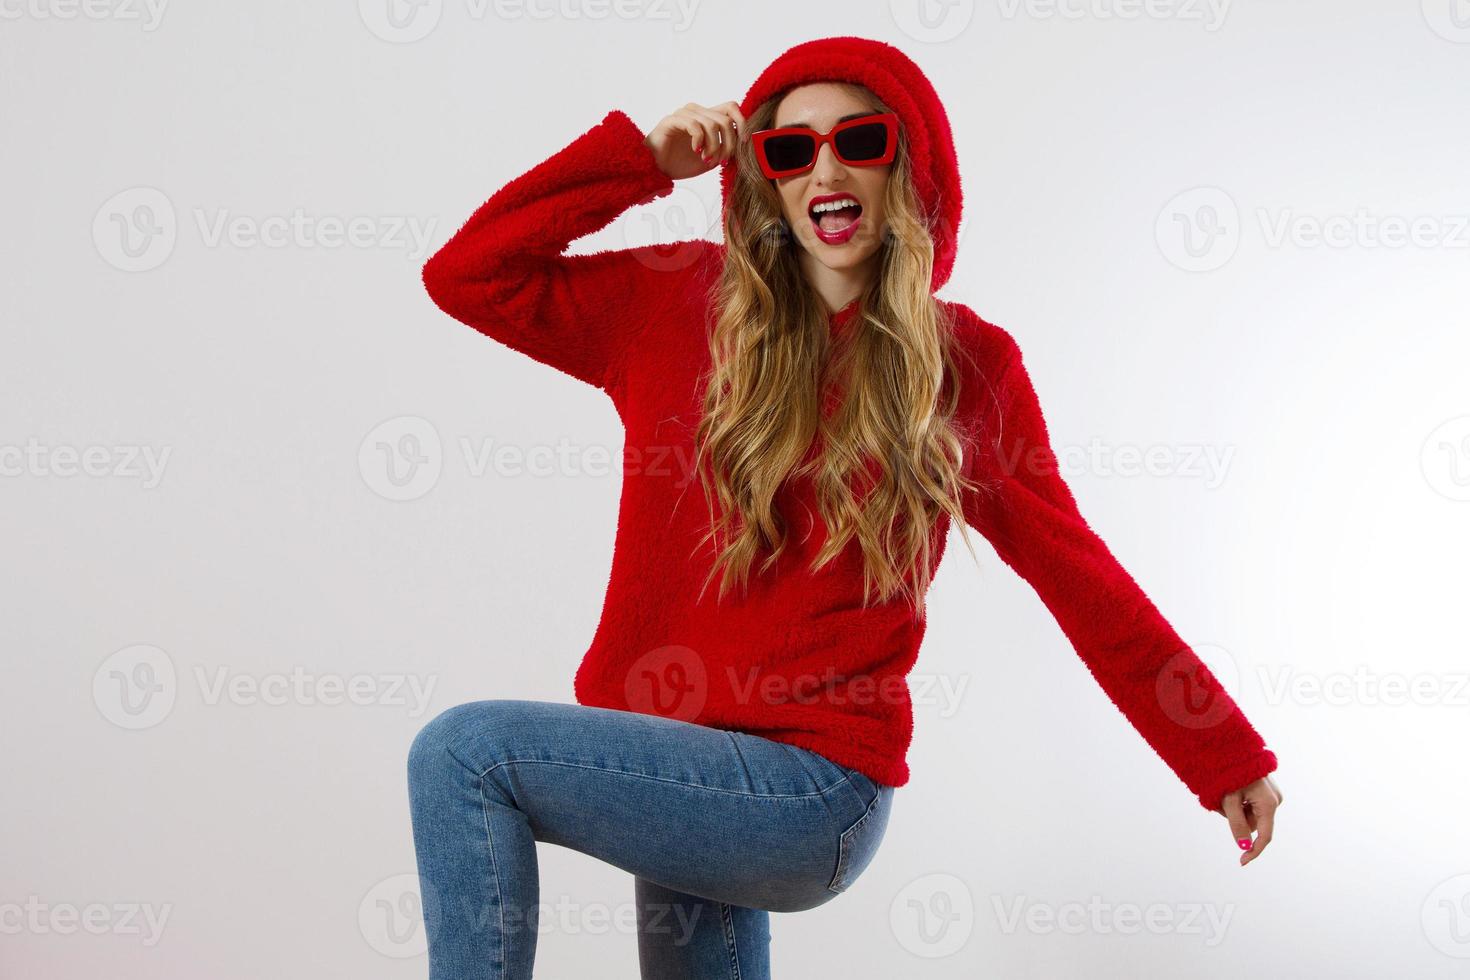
[
  {"x": 727, "y": 919},
  {"x": 821, "y": 790},
  {"x": 643, "y": 775},
  {"x": 844, "y": 847},
  {"x": 852, "y": 784},
  {"x": 494, "y": 869},
  {"x": 749, "y": 780}
]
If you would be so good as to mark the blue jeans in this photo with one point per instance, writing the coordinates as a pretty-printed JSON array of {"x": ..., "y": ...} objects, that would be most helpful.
[{"x": 718, "y": 828}]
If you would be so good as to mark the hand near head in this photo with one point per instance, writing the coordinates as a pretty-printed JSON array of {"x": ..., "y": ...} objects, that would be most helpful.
[
  {"x": 1249, "y": 808},
  {"x": 695, "y": 139}
]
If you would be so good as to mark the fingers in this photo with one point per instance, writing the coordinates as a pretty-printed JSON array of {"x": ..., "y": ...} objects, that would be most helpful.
[
  {"x": 693, "y": 138},
  {"x": 1240, "y": 827},
  {"x": 735, "y": 122},
  {"x": 684, "y": 120},
  {"x": 1263, "y": 806},
  {"x": 714, "y": 131},
  {"x": 734, "y": 110},
  {"x": 701, "y": 130}
]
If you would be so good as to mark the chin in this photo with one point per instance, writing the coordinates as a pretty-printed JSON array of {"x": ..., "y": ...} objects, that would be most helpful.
[{"x": 841, "y": 258}]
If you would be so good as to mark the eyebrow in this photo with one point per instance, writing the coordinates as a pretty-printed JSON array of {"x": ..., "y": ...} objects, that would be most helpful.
[{"x": 850, "y": 115}]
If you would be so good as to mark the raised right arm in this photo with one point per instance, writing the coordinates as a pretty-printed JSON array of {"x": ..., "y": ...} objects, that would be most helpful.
[{"x": 504, "y": 273}]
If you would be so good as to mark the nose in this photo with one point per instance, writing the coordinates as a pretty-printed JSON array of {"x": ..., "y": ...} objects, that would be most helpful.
[{"x": 827, "y": 167}]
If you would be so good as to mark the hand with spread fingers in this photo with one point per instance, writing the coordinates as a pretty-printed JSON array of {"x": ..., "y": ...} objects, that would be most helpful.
[{"x": 1252, "y": 808}]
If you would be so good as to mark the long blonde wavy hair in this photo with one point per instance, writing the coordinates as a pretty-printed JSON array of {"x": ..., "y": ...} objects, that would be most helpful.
[{"x": 893, "y": 432}]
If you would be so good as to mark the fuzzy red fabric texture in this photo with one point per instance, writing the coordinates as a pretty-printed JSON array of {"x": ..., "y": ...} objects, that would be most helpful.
[{"x": 798, "y": 659}]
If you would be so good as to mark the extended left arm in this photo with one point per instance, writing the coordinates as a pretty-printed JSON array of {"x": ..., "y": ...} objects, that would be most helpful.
[{"x": 1161, "y": 686}]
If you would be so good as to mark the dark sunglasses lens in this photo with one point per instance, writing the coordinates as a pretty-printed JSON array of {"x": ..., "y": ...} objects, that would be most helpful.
[
  {"x": 866, "y": 142},
  {"x": 789, "y": 152}
]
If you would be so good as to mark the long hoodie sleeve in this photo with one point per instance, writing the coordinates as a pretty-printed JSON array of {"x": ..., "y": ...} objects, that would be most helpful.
[
  {"x": 504, "y": 273},
  {"x": 1160, "y": 685}
]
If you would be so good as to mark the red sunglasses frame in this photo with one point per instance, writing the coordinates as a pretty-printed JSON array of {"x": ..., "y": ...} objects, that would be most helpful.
[{"x": 888, "y": 119}]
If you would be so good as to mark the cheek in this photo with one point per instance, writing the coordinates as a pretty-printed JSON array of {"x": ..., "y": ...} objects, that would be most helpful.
[
  {"x": 874, "y": 194},
  {"x": 794, "y": 212},
  {"x": 791, "y": 198},
  {"x": 877, "y": 190}
]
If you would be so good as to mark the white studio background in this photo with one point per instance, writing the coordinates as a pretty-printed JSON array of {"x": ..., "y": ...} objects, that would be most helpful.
[{"x": 1231, "y": 238}]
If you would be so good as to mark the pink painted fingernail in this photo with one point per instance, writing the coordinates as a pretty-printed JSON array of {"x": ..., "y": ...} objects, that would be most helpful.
[{"x": 1244, "y": 842}]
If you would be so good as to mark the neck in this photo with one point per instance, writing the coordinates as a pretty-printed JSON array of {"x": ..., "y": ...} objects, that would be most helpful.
[{"x": 838, "y": 287}]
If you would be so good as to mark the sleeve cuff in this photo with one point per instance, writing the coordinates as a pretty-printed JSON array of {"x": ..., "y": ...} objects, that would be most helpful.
[
  {"x": 635, "y": 156},
  {"x": 1229, "y": 780}
]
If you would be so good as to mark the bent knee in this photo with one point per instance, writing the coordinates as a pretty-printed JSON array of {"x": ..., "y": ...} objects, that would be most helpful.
[
  {"x": 432, "y": 747},
  {"x": 461, "y": 735}
]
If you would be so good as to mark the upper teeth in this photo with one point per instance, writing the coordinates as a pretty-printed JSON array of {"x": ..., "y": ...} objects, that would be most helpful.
[{"x": 846, "y": 202}]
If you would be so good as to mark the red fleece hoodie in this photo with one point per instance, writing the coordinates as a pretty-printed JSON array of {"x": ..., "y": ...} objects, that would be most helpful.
[{"x": 798, "y": 659}]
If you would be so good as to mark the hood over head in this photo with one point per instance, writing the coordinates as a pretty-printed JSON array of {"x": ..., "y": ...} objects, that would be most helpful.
[{"x": 897, "y": 80}]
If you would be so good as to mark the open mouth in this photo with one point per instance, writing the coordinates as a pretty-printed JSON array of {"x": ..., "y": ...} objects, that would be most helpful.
[{"x": 835, "y": 217}]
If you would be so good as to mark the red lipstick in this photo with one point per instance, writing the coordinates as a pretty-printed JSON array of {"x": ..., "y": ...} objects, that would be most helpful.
[{"x": 840, "y": 235}]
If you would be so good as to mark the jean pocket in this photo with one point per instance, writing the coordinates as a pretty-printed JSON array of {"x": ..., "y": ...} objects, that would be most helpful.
[{"x": 858, "y": 844}]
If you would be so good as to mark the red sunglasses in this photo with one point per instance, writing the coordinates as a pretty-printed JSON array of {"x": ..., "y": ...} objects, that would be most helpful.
[{"x": 868, "y": 141}]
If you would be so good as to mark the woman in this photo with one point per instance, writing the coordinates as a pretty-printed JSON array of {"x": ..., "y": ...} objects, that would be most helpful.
[{"x": 737, "y": 748}]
